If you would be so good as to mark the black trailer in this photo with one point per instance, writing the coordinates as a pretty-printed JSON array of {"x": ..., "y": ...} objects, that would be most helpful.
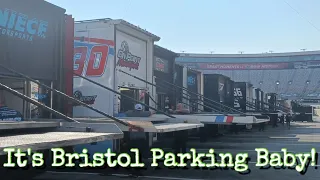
[
  {"x": 255, "y": 101},
  {"x": 219, "y": 88},
  {"x": 164, "y": 68}
]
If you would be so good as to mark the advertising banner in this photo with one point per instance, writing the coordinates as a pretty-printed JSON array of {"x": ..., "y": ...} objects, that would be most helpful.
[
  {"x": 30, "y": 37},
  {"x": 253, "y": 65}
]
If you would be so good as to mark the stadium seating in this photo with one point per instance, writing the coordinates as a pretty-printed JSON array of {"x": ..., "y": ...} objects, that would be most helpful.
[{"x": 290, "y": 83}]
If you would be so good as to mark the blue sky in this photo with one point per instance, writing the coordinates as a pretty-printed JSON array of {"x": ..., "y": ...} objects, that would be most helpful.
[{"x": 222, "y": 26}]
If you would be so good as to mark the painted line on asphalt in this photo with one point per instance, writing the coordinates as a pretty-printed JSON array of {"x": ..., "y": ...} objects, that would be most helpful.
[{"x": 126, "y": 175}]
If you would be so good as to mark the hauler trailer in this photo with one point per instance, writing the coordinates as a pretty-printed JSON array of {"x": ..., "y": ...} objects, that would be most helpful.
[
  {"x": 101, "y": 47},
  {"x": 33, "y": 48},
  {"x": 224, "y": 116},
  {"x": 255, "y": 102}
]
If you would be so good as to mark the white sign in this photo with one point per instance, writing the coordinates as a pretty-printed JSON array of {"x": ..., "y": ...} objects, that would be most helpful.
[
  {"x": 131, "y": 58},
  {"x": 237, "y": 94}
]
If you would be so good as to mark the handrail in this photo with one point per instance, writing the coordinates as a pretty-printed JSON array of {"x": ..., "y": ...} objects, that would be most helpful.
[
  {"x": 28, "y": 99},
  {"x": 116, "y": 92},
  {"x": 187, "y": 91},
  {"x": 188, "y": 99},
  {"x": 219, "y": 104},
  {"x": 159, "y": 86},
  {"x": 281, "y": 107},
  {"x": 63, "y": 94}
]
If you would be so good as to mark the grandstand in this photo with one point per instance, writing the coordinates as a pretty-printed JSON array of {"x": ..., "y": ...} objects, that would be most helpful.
[{"x": 290, "y": 75}]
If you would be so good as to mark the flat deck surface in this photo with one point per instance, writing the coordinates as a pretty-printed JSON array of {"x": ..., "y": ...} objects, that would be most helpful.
[
  {"x": 27, "y": 124},
  {"x": 154, "y": 118},
  {"x": 161, "y": 127},
  {"x": 49, "y": 140},
  {"x": 300, "y": 138},
  {"x": 170, "y": 127}
]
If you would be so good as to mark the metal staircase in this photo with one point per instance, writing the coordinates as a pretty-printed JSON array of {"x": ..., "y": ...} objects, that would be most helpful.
[{"x": 43, "y": 134}]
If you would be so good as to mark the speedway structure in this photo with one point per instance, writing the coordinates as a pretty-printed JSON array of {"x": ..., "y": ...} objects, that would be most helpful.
[{"x": 79, "y": 93}]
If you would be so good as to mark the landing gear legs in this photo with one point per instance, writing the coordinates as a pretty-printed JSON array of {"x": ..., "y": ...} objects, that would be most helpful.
[
  {"x": 235, "y": 129},
  {"x": 180, "y": 141},
  {"x": 261, "y": 126}
]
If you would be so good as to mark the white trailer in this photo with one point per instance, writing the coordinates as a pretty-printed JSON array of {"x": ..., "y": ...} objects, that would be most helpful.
[{"x": 102, "y": 48}]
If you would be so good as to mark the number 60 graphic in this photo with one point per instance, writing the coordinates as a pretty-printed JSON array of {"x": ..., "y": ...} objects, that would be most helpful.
[{"x": 92, "y": 65}]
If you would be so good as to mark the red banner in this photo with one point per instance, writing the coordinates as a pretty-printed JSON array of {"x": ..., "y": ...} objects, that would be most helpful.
[{"x": 242, "y": 66}]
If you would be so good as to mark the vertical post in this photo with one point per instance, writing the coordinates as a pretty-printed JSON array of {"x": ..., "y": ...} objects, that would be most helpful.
[
  {"x": 26, "y": 108},
  {"x": 51, "y": 97},
  {"x": 185, "y": 85}
]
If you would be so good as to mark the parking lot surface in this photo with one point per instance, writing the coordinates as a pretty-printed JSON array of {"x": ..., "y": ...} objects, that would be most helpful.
[{"x": 300, "y": 138}]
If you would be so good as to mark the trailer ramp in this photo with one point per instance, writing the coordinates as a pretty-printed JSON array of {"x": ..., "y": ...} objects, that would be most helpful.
[
  {"x": 222, "y": 119},
  {"x": 42, "y": 135},
  {"x": 152, "y": 124}
]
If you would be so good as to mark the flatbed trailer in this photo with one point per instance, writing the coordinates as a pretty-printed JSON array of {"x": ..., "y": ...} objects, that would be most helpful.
[
  {"x": 161, "y": 124},
  {"x": 149, "y": 128},
  {"x": 39, "y": 135},
  {"x": 43, "y": 135},
  {"x": 207, "y": 118}
]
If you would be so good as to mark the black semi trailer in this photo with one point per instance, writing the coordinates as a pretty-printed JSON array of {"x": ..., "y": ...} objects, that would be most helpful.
[
  {"x": 253, "y": 100},
  {"x": 219, "y": 88}
]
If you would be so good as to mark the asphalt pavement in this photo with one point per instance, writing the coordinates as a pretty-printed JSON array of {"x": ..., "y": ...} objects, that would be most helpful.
[{"x": 300, "y": 138}]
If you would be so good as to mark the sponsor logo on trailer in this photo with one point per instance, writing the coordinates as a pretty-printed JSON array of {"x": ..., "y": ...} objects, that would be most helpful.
[
  {"x": 7, "y": 114},
  {"x": 160, "y": 66},
  {"x": 126, "y": 59},
  {"x": 191, "y": 80},
  {"x": 238, "y": 95},
  {"x": 18, "y": 25},
  {"x": 85, "y": 99},
  {"x": 221, "y": 86},
  {"x": 91, "y": 58},
  {"x": 40, "y": 96}
]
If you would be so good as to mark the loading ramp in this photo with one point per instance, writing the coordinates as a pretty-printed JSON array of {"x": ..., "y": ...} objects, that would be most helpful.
[{"x": 43, "y": 135}]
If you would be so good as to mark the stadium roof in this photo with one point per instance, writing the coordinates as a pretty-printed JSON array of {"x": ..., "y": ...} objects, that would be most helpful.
[{"x": 250, "y": 55}]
